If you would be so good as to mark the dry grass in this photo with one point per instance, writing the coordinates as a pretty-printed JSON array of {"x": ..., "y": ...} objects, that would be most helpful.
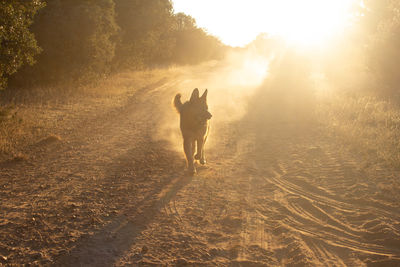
[
  {"x": 365, "y": 123},
  {"x": 28, "y": 117},
  {"x": 369, "y": 125}
]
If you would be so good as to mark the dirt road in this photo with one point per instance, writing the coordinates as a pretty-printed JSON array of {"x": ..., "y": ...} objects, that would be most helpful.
[{"x": 277, "y": 190}]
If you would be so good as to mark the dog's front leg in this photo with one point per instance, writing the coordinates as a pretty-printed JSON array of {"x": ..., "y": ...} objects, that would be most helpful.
[
  {"x": 193, "y": 147},
  {"x": 200, "y": 151},
  {"x": 188, "y": 148}
]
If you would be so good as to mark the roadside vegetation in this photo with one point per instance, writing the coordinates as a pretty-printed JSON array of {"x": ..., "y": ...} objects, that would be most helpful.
[
  {"x": 59, "y": 52},
  {"x": 361, "y": 104}
]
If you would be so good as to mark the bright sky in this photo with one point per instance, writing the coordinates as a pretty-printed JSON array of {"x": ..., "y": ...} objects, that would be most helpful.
[{"x": 238, "y": 22}]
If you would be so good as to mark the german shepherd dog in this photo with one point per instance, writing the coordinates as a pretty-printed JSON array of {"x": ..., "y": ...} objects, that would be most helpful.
[{"x": 194, "y": 123}]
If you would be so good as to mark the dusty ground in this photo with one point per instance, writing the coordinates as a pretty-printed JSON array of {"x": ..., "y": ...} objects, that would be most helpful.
[{"x": 277, "y": 190}]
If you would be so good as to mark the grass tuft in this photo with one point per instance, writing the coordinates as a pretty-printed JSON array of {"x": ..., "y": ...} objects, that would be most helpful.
[
  {"x": 366, "y": 123},
  {"x": 39, "y": 116}
]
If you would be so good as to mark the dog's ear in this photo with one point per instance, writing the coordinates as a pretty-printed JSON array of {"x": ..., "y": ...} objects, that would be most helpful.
[
  {"x": 204, "y": 96},
  {"x": 195, "y": 95}
]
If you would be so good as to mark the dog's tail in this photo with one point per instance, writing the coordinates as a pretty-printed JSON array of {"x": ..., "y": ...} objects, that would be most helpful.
[{"x": 178, "y": 103}]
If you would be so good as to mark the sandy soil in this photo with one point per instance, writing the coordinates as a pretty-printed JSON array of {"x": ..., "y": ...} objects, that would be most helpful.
[{"x": 277, "y": 190}]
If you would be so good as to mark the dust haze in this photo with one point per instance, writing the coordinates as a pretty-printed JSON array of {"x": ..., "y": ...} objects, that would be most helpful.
[
  {"x": 303, "y": 156},
  {"x": 231, "y": 83},
  {"x": 278, "y": 82}
]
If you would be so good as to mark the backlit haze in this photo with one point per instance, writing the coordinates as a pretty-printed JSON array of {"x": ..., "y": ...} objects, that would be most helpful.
[{"x": 238, "y": 22}]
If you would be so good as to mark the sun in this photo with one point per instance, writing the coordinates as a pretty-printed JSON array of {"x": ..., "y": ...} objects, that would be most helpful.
[
  {"x": 302, "y": 22},
  {"x": 310, "y": 22}
]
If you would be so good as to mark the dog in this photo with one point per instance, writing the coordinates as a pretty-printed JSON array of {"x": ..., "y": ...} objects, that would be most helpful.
[{"x": 195, "y": 126}]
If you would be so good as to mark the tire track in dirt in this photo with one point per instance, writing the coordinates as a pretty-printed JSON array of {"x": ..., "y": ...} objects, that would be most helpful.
[
  {"x": 309, "y": 207},
  {"x": 270, "y": 198},
  {"x": 274, "y": 192},
  {"x": 321, "y": 218}
]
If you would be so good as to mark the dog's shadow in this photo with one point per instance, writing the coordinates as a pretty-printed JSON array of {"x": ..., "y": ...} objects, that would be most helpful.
[{"x": 111, "y": 242}]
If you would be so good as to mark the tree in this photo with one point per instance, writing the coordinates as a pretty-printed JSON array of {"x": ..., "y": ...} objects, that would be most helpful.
[
  {"x": 18, "y": 45},
  {"x": 83, "y": 39},
  {"x": 145, "y": 32},
  {"x": 77, "y": 38},
  {"x": 193, "y": 44}
]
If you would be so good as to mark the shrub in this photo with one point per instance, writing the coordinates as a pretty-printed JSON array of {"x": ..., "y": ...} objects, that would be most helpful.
[{"x": 17, "y": 44}]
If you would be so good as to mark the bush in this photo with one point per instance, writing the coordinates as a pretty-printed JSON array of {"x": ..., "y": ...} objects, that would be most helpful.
[
  {"x": 145, "y": 37},
  {"x": 77, "y": 38},
  {"x": 193, "y": 45},
  {"x": 17, "y": 44}
]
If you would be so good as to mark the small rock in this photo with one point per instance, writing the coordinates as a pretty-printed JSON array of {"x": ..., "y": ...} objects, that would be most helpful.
[
  {"x": 36, "y": 256},
  {"x": 144, "y": 250},
  {"x": 181, "y": 262},
  {"x": 3, "y": 258}
]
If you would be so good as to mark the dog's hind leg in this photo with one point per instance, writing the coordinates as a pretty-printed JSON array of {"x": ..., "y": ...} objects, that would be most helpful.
[{"x": 188, "y": 148}]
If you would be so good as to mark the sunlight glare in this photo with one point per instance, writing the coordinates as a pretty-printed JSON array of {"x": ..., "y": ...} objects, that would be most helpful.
[
  {"x": 310, "y": 22},
  {"x": 238, "y": 22}
]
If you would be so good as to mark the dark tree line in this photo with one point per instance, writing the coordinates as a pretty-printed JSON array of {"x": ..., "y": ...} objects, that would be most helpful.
[{"x": 48, "y": 41}]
